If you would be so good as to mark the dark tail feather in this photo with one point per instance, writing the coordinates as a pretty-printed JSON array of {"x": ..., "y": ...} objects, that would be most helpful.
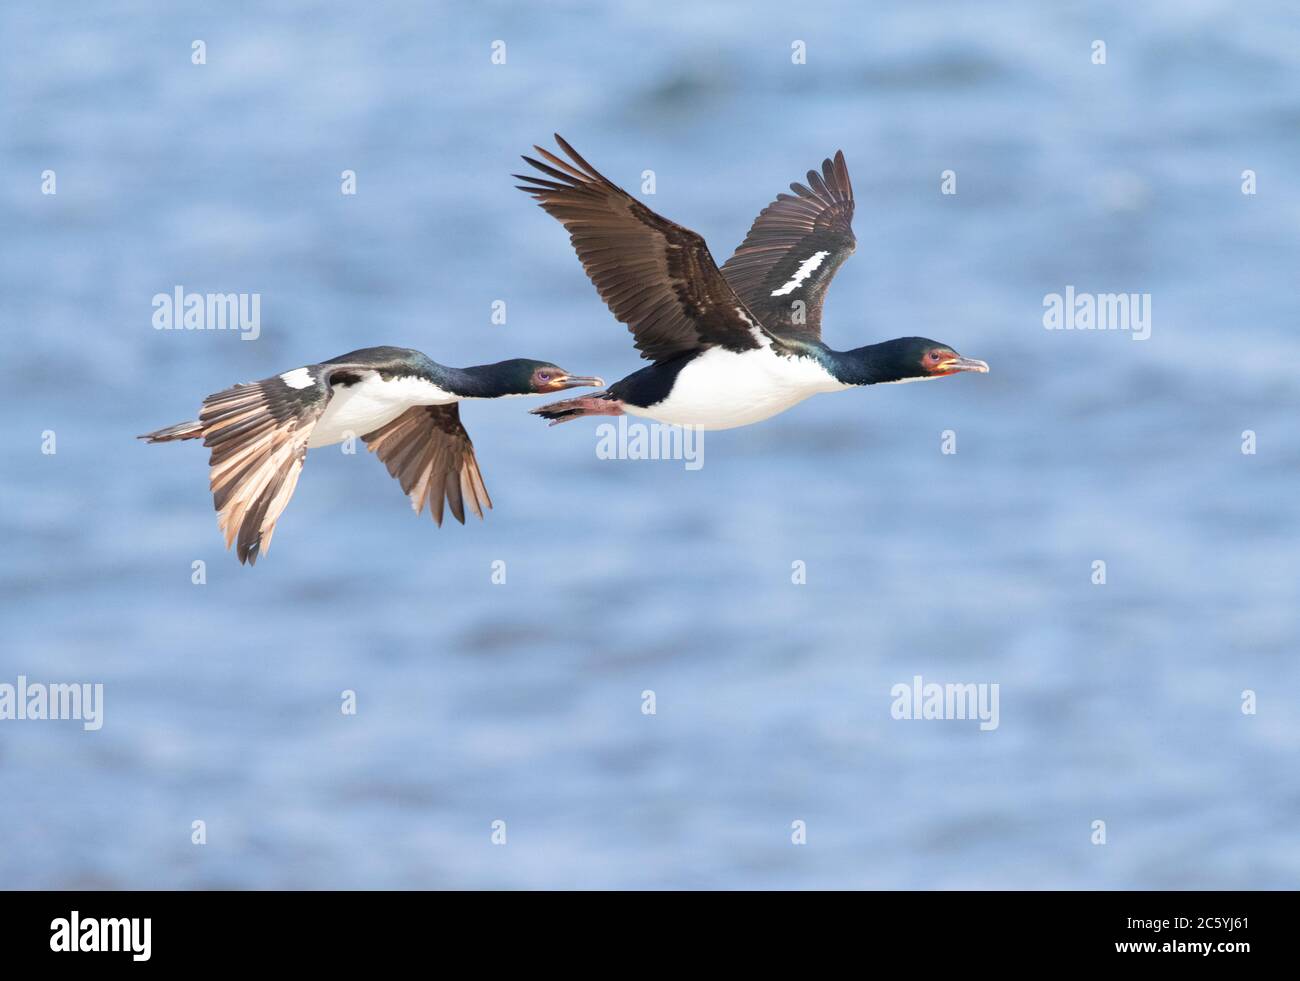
[
  {"x": 600, "y": 404},
  {"x": 182, "y": 430}
]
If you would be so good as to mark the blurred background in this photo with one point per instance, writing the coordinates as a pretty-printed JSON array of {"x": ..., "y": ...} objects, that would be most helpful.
[{"x": 522, "y": 702}]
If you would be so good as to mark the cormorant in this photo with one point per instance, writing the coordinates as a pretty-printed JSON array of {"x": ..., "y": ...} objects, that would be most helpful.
[{"x": 401, "y": 403}]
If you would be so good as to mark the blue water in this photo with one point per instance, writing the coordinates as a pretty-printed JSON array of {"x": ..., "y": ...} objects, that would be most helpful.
[{"x": 521, "y": 702}]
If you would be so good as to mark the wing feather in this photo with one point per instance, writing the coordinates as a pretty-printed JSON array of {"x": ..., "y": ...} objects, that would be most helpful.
[
  {"x": 655, "y": 275},
  {"x": 429, "y": 452},
  {"x": 787, "y": 261},
  {"x": 258, "y": 435}
]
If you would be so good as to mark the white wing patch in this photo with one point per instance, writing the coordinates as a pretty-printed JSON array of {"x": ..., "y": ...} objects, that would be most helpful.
[
  {"x": 806, "y": 269},
  {"x": 298, "y": 378},
  {"x": 760, "y": 335}
]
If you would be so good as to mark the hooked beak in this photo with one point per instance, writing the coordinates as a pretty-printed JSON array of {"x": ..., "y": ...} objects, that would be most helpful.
[
  {"x": 959, "y": 363},
  {"x": 575, "y": 381}
]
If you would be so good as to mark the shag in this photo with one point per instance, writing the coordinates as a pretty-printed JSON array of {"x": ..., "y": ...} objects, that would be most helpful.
[
  {"x": 402, "y": 404},
  {"x": 729, "y": 346}
]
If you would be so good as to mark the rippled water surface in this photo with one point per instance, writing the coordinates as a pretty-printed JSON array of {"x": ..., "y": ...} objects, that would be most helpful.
[{"x": 521, "y": 702}]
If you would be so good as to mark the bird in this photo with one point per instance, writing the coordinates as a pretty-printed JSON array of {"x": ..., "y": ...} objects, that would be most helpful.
[
  {"x": 404, "y": 405},
  {"x": 732, "y": 346}
]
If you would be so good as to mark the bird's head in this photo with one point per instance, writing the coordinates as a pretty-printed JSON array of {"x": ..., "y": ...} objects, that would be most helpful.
[
  {"x": 529, "y": 377},
  {"x": 917, "y": 358}
]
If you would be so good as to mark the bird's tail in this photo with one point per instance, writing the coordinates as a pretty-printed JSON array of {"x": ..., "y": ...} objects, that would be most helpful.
[
  {"x": 600, "y": 404},
  {"x": 182, "y": 430}
]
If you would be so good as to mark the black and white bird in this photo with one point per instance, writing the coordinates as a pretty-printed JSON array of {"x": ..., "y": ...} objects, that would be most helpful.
[
  {"x": 402, "y": 404},
  {"x": 730, "y": 346}
]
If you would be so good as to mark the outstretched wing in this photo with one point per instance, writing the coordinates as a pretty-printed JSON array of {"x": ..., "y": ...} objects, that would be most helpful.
[
  {"x": 793, "y": 249},
  {"x": 429, "y": 452},
  {"x": 656, "y": 276},
  {"x": 258, "y": 436}
]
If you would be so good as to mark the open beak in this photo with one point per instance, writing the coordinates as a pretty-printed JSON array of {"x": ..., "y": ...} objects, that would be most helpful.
[
  {"x": 576, "y": 381},
  {"x": 963, "y": 364}
]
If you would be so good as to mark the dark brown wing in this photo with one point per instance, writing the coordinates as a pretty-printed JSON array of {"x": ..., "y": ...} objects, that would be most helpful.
[
  {"x": 258, "y": 436},
  {"x": 427, "y": 449},
  {"x": 656, "y": 276},
  {"x": 793, "y": 249}
]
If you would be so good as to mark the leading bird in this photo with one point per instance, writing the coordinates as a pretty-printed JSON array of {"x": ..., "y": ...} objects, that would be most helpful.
[
  {"x": 729, "y": 346},
  {"x": 404, "y": 405}
]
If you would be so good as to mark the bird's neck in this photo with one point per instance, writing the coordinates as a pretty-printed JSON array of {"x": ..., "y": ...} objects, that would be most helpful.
[
  {"x": 483, "y": 381},
  {"x": 867, "y": 365}
]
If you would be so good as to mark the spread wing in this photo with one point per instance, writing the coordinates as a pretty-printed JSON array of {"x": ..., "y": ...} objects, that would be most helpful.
[
  {"x": 258, "y": 436},
  {"x": 656, "y": 276},
  {"x": 793, "y": 250},
  {"x": 429, "y": 452}
]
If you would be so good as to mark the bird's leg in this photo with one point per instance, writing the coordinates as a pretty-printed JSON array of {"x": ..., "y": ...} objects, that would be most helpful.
[{"x": 584, "y": 405}]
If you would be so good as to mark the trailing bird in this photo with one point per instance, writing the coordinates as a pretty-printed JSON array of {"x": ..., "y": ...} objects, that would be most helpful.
[
  {"x": 730, "y": 346},
  {"x": 404, "y": 405}
]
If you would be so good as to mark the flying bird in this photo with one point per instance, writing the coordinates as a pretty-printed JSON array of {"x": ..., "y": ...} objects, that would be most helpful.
[
  {"x": 402, "y": 404},
  {"x": 730, "y": 346}
]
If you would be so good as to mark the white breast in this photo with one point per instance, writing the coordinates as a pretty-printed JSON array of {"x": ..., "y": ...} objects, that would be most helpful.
[
  {"x": 723, "y": 389},
  {"x": 372, "y": 402}
]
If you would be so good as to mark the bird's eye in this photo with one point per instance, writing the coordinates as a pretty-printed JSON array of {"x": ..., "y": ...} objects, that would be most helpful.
[
  {"x": 544, "y": 376},
  {"x": 934, "y": 356}
]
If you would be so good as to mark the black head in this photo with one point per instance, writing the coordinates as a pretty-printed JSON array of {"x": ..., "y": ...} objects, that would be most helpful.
[
  {"x": 524, "y": 376},
  {"x": 916, "y": 358}
]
